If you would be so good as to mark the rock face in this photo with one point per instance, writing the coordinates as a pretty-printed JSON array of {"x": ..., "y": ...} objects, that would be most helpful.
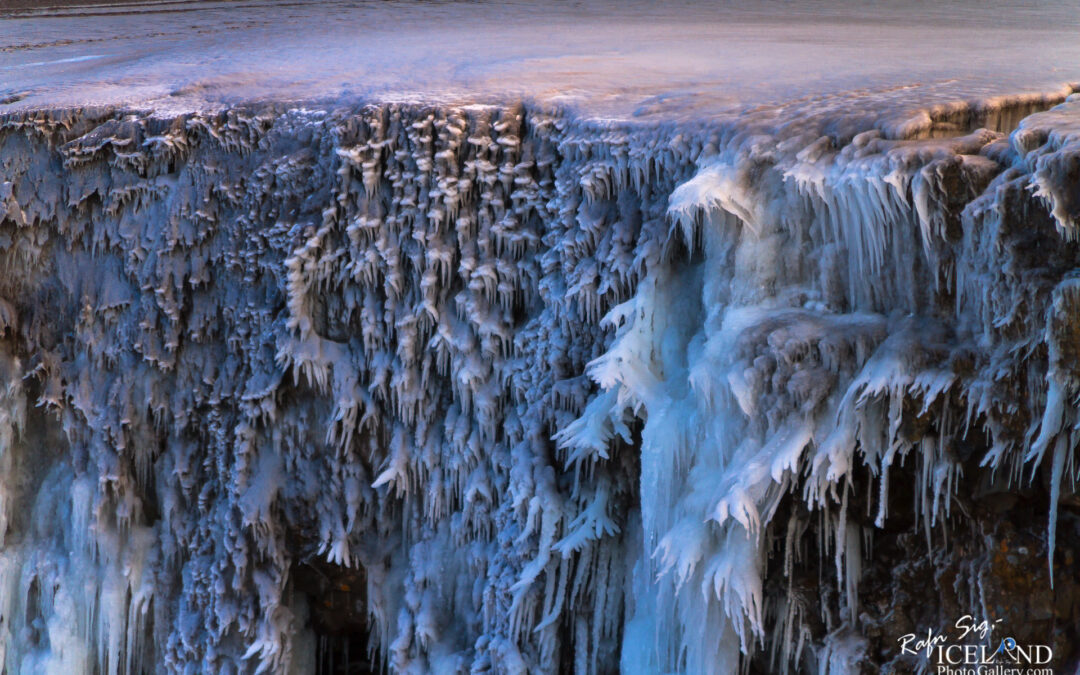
[{"x": 498, "y": 390}]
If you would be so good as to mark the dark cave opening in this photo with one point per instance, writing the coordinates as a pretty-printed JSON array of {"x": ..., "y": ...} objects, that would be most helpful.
[{"x": 337, "y": 602}]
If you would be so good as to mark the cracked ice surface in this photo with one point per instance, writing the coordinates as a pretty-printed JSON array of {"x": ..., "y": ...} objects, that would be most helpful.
[{"x": 559, "y": 393}]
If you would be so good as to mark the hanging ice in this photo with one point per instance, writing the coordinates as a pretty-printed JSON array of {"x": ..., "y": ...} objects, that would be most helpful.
[{"x": 498, "y": 389}]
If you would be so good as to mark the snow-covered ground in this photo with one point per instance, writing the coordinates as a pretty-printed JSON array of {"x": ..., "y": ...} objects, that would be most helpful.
[{"x": 609, "y": 58}]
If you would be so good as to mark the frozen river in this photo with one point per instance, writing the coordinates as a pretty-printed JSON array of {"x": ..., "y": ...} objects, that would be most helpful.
[{"x": 606, "y": 58}]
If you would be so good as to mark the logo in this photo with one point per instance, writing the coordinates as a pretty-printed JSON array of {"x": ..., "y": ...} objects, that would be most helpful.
[{"x": 971, "y": 648}]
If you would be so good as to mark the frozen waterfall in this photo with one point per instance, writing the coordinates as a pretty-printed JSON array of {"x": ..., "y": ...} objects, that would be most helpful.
[{"x": 501, "y": 389}]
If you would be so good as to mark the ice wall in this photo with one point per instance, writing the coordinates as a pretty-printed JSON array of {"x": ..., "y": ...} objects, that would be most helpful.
[{"x": 498, "y": 390}]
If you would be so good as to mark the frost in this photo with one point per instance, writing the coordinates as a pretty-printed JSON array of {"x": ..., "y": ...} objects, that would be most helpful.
[{"x": 543, "y": 394}]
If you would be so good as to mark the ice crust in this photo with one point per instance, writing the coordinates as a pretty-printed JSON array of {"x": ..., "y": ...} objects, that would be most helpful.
[
  {"x": 560, "y": 388},
  {"x": 602, "y": 58}
]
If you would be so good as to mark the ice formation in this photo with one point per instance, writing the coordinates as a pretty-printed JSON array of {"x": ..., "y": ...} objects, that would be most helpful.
[{"x": 533, "y": 393}]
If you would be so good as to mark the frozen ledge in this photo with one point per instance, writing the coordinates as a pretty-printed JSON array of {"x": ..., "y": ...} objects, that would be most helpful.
[{"x": 501, "y": 389}]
